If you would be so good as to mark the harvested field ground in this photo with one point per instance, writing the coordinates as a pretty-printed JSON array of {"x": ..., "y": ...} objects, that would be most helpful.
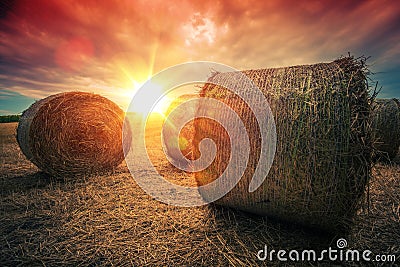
[{"x": 108, "y": 220}]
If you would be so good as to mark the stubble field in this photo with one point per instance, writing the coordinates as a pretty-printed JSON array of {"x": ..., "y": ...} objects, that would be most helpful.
[{"x": 108, "y": 220}]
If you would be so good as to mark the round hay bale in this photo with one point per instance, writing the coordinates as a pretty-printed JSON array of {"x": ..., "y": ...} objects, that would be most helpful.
[
  {"x": 73, "y": 134},
  {"x": 386, "y": 128},
  {"x": 322, "y": 162},
  {"x": 170, "y": 131}
]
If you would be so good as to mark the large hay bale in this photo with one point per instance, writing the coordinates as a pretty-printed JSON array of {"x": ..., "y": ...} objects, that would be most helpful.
[
  {"x": 386, "y": 127},
  {"x": 171, "y": 131},
  {"x": 322, "y": 162},
  {"x": 73, "y": 134}
]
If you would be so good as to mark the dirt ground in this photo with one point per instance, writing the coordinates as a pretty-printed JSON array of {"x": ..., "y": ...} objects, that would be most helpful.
[{"x": 109, "y": 220}]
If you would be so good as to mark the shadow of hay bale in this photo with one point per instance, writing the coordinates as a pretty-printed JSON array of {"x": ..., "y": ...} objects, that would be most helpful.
[
  {"x": 396, "y": 160},
  {"x": 247, "y": 234},
  {"x": 23, "y": 183},
  {"x": 385, "y": 160}
]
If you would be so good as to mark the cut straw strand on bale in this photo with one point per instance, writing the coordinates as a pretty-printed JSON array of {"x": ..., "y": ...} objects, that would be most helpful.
[
  {"x": 171, "y": 131},
  {"x": 73, "y": 134},
  {"x": 386, "y": 128},
  {"x": 322, "y": 162}
]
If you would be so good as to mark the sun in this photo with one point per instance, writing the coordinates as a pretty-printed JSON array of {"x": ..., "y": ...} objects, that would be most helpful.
[
  {"x": 152, "y": 90},
  {"x": 136, "y": 74}
]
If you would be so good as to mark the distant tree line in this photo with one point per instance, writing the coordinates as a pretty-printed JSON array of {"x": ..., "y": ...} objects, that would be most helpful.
[{"x": 9, "y": 118}]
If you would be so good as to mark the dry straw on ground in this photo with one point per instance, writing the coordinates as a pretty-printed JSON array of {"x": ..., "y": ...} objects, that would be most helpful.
[
  {"x": 108, "y": 220},
  {"x": 72, "y": 134},
  {"x": 170, "y": 131},
  {"x": 322, "y": 163},
  {"x": 386, "y": 126}
]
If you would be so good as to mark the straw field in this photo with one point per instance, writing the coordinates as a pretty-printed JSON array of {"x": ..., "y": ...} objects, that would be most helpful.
[{"x": 107, "y": 220}]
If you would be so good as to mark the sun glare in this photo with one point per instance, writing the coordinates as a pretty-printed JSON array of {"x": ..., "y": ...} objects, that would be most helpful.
[
  {"x": 160, "y": 106},
  {"x": 133, "y": 72}
]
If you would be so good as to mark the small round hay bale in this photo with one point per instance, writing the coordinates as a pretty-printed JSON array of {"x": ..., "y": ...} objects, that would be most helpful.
[
  {"x": 73, "y": 134},
  {"x": 170, "y": 131},
  {"x": 323, "y": 152},
  {"x": 386, "y": 128}
]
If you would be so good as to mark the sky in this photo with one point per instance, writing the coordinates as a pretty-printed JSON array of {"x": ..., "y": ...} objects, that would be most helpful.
[{"x": 112, "y": 47}]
